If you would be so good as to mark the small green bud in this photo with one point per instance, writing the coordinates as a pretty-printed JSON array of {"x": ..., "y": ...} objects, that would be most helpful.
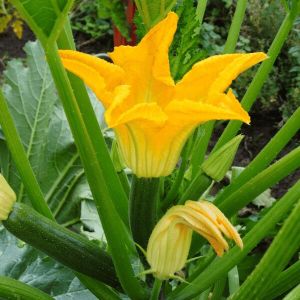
[
  {"x": 7, "y": 198},
  {"x": 219, "y": 162},
  {"x": 116, "y": 157}
]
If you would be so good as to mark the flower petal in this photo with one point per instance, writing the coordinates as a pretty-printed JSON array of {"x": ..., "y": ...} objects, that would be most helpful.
[
  {"x": 147, "y": 64},
  {"x": 189, "y": 112},
  {"x": 147, "y": 112},
  {"x": 214, "y": 74},
  {"x": 101, "y": 76}
]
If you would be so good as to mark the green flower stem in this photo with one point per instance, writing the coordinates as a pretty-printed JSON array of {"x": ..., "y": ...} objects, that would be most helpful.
[
  {"x": 20, "y": 158},
  {"x": 200, "y": 11},
  {"x": 99, "y": 289},
  {"x": 200, "y": 281},
  {"x": 235, "y": 27},
  {"x": 196, "y": 188},
  {"x": 288, "y": 279},
  {"x": 12, "y": 289},
  {"x": 116, "y": 233},
  {"x": 262, "y": 73},
  {"x": 65, "y": 246},
  {"x": 156, "y": 289},
  {"x": 144, "y": 200},
  {"x": 120, "y": 198},
  {"x": 265, "y": 157},
  {"x": 283, "y": 247},
  {"x": 254, "y": 187},
  {"x": 229, "y": 47},
  {"x": 294, "y": 294}
]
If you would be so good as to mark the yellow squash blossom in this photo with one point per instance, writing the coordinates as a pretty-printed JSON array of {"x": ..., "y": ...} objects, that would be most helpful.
[
  {"x": 151, "y": 114},
  {"x": 170, "y": 240}
]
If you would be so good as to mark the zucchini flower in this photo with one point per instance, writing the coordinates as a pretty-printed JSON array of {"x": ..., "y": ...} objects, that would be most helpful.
[
  {"x": 152, "y": 115},
  {"x": 170, "y": 241},
  {"x": 7, "y": 198}
]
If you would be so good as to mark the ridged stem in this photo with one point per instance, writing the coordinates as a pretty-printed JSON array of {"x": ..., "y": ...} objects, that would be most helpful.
[
  {"x": 283, "y": 247},
  {"x": 285, "y": 281},
  {"x": 15, "y": 290},
  {"x": 144, "y": 199},
  {"x": 258, "y": 184},
  {"x": 266, "y": 155}
]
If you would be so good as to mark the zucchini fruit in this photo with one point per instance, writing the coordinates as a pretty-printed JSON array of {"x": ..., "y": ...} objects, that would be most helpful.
[{"x": 65, "y": 246}]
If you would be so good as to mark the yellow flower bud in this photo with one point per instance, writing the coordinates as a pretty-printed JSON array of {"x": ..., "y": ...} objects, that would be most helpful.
[
  {"x": 7, "y": 198},
  {"x": 170, "y": 241}
]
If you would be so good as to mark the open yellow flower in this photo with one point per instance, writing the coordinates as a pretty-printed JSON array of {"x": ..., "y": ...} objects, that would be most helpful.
[
  {"x": 151, "y": 115},
  {"x": 170, "y": 240}
]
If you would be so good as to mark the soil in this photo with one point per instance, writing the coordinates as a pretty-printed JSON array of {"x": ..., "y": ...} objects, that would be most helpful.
[{"x": 263, "y": 126}]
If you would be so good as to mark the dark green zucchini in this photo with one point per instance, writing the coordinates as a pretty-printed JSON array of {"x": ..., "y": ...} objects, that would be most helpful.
[{"x": 65, "y": 246}]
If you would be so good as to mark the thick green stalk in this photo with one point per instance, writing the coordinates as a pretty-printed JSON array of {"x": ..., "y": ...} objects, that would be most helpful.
[
  {"x": 254, "y": 187},
  {"x": 144, "y": 200},
  {"x": 200, "y": 11},
  {"x": 235, "y": 26},
  {"x": 18, "y": 153},
  {"x": 262, "y": 73},
  {"x": 266, "y": 155},
  {"x": 285, "y": 244},
  {"x": 229, "y": 47},
  {"x": 288, "y": 279},
  {"x": 117, "y": 236},
  {"x": 294, "y": 294},
  {"x": 11, "y": 289},
  {"x": 119, "y": 196},
  {"x": 99, "y": 289},
  {"x": 200, "y": 281}
]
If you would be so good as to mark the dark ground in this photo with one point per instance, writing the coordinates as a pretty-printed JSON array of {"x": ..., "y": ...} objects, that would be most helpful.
[{"x": 263, "y": 126}]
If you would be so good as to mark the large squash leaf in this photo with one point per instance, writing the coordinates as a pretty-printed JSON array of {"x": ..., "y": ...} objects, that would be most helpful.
[{"x": 45, "y": 134}]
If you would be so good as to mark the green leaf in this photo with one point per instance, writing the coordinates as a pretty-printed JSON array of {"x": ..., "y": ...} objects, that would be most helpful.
[
  {"x": 91, "y": 221},
  {"x": 45, "y": 17},
  {"x": 22, "y": 262},
  {"x": 45, "y": 134},
  {"x": 153, "y": 11}
]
